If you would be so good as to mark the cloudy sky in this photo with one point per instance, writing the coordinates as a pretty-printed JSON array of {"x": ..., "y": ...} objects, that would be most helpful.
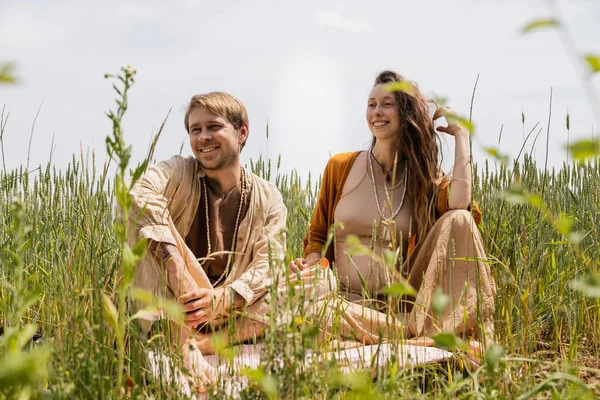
[{"x": 305, "y": 67}]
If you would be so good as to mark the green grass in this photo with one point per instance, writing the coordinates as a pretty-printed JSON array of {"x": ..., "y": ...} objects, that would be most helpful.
[{"x": 541, "y": 235}]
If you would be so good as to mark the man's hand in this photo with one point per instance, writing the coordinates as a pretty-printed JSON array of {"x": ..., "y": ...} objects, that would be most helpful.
[{"x": 202, "y": 305}]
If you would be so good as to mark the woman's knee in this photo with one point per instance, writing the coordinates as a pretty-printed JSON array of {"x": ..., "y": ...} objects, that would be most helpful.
[
  {"x": 460, "y": 217},
  {"x": 461, "y": 222}
]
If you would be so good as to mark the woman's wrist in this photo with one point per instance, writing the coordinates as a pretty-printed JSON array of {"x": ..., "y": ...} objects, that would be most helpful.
[
  {"x": 462, "y": 136},
  {"x": 313, "y": 257}
]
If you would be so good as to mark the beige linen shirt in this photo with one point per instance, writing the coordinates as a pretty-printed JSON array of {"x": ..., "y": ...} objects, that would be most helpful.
[{"x": 171, "y": 190}]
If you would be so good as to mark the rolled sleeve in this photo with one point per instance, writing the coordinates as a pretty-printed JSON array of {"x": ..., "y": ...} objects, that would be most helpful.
[
  {"x": 267, "y": 253},
  {"x": 151, "y": 196},
  {"x": 443, "y": 204},
  {"x": 157, "y": 233},
  {"x": 243, "y": 289},
  {"x": 316, "y": 236}
]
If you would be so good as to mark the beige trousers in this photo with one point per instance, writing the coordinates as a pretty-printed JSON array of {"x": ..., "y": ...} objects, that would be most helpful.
[{"x": 451, "y": 258}]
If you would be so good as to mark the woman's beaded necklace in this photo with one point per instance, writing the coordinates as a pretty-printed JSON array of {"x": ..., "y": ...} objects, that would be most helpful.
[{"x": 370, "y": 164}]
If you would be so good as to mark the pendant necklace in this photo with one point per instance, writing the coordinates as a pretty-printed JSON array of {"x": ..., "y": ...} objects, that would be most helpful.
[
  {"x": 370, "y": 164},
  {"x": 388, "y": 177}
]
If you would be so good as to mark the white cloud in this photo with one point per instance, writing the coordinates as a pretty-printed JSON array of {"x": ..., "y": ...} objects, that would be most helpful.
[
  {"x": 138, "y": 12},
  {"x": 19, "y": 30},
  {"x": 307, "y": 109},
  {"x": 336, "y": 20}
]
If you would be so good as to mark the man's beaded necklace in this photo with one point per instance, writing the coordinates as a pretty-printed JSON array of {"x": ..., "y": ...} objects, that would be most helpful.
[{"x": 237, "y": 222}]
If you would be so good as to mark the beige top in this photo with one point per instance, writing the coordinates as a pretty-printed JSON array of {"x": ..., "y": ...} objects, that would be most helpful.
[
  {"x": 171, "y": 190},
  {"x": 358, "y": 213}
]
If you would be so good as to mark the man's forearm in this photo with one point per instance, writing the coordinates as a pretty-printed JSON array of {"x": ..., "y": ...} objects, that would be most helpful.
[
  {"x": 162, "y": 251},
  {"x": 179, "y": 279}
]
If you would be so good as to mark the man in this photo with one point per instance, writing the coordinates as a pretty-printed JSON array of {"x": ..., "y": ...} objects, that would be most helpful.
[{"x": 215, "y": 230}]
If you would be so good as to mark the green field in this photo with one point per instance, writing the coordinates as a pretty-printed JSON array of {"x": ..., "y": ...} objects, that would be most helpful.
[{"x": 61, "y": 271}]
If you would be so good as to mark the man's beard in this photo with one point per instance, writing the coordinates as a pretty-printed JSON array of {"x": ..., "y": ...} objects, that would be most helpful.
[{"x": 227, "y": 160}]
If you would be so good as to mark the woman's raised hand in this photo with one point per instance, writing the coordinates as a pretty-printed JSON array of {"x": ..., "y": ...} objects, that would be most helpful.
[{"x": 454, "y": 127}]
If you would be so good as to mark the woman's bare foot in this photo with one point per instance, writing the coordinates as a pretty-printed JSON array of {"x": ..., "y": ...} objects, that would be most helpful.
[
  {"x": 423, "y": 341},
  {"x": 474, "y": 354},
  {"x": 202, "y": 374}
]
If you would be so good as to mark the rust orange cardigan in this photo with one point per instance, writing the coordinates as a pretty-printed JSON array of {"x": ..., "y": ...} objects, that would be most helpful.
[{"x": 332, "y": 183}]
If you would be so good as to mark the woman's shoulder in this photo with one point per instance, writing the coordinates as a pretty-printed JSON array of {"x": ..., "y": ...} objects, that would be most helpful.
[{"x": 342, "y": 160}]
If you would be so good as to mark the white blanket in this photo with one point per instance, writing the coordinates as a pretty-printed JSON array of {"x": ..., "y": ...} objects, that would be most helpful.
[{"x": 362, "y": 357}]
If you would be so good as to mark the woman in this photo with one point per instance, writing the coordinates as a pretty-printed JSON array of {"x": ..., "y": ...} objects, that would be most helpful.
[{"x": 412, "y": 221}]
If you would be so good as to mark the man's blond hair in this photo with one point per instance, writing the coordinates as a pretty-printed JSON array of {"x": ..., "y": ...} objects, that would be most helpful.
[{"x": 221, "y": 104}]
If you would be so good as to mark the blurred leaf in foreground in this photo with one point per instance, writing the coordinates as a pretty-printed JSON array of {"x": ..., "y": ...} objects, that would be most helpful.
[
  {"x": 540, "y": 23},
  {"x": 7, "y": 73},
  {"x": 563, "y": 224},
  {"x": 492, "y": 151},
  {"x": 439, "y": 302},
  {"x": 589, "y": 286},
  {"x": 109, "y": 312},
  {"x": 400, "y": 288},
  {"x": 583, "y": 149},
  {"x": 448, "y": 341},
  {"x": 355, "y": 247},
  {"x": 593, "y": 62},
  {"x": 440, "y": 101},
  {"x": 266, "y": 382},
  {"x": 517, "y": 195},
  {"x": 453, "y": 118},
  {"x": 25, "y": 368},
  {"x": 400, "y": 87},
  {"x": 493, "y": 355}
]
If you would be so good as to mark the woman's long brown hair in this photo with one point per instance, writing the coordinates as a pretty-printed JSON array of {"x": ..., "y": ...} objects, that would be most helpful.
[{"x": 418, "y": 144}]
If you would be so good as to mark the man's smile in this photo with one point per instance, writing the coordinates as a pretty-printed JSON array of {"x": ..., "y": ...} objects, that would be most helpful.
[{"x": 208, "y": 149}]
